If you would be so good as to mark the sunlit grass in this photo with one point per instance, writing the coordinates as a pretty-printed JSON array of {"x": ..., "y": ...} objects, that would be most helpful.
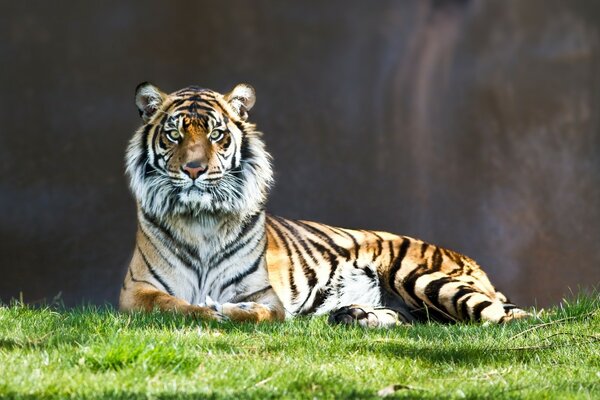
[{"x": 96, "y": 352}]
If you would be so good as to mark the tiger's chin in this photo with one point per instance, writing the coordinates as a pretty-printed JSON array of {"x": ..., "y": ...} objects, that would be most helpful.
[
  {"x": 198, "y": 202},
  {"x": 194, "y": 200},
  {"x": 195, "y": 195}
]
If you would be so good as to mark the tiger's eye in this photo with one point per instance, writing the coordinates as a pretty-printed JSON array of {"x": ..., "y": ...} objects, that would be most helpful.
[
  {"x": 215, "y": 135},
  {"x": 173, "y": 136}
]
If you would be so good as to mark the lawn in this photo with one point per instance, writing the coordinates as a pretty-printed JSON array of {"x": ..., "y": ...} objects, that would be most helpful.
[{"x": 96, "y": 352}]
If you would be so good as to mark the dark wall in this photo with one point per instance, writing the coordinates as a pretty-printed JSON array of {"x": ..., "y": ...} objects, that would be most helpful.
[{"x": 471, "y": 124}]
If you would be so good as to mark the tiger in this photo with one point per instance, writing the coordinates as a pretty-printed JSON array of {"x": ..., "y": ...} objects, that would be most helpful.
[{"x": 206, "y": 248}]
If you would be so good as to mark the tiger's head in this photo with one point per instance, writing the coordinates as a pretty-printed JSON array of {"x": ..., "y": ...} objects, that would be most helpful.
[{"x": 196, "y": 154}]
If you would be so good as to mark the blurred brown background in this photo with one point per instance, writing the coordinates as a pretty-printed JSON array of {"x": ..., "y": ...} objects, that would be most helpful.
[{"x": 470, "y": 124}]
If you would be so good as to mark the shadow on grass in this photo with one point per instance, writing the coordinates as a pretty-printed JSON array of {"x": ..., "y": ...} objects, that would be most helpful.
[
  {"x": 11, "y": 344},
  {"x": 242, "y": 395},
  {"x": 305, "y": 387},
  {"x": 469, "y": 356},
  {"x": 348, "y": 391}
]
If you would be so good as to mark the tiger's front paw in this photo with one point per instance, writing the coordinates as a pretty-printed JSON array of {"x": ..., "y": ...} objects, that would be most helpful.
[
  {"x": 365, "y": 316},
  {"x": 206, "y": 313},
  {"x": 216, "y": 308},
  {"x": 249, "y": 312}
]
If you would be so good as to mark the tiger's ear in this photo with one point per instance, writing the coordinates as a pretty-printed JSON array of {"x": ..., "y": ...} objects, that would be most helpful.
[
  {"x": 241, "y": 99},
  {"x": 148, "y": 99}
]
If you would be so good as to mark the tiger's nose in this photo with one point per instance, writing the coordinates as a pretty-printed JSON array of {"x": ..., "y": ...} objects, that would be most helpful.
[{"x": 194, "y": 169}]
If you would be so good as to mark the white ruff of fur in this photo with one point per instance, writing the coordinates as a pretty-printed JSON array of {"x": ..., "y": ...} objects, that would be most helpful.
[{"x": 233, "y": 197}]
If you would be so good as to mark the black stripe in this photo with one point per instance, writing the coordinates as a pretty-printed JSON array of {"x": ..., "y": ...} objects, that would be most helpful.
[
  {"x": 163, "y": 120},
  {"x": 479, "y": 308},
  {"x": 356, "y": 245},
  {"x": 142, "y": 162},
  {"x": 332, "y": 258},
  {"x": 408, "y": 283},
  {"x": 231, "y": 251},
  {"x": 226, "y": 145},
  {"x": 139, "y": 280},
  {"x": 238, "y": 278},
  {"x": 298, "y": 236},
  {"x": 323, "y": 294},
  {"x": 342, "y": 232},
  {"x": 187, "y": 255},
  {"x": 398, "y": 263},
  {"x": 379, "y": 242},
  {"x": 293, "y": 287},
  {"x": 432, "y": 291},
  {"x": 437, "y": 259},
  {"x": 424, "y": 247},
  {"x": 460, "y": 293},
  {"x": 455, "y": 272},
  {"x": 153, "y": 272},
  {"x": 327, "y": 238},
  {"x": 377, "y": 253},
  {"x": 254, "y": 295},
  {"x": 368, "y": 271},
  {"x": 457, "y": 259},
  {"x": 177, "y": 103},
  {"x": 245, "y": 152},
  {"x": 250, "y": 224},
  {"x": 237, "y": 244},
  {"x": 193, "y": 89},
  {"x": 240, "y": 125},
  {"x": 309, "y": 273},
  {"x": 177, "y": 255},
  {"x": 164, "y": 144},
  {"x": 320, "y": 297},
  {"x": 184, "y": 108},
  {"x": 190, "y": 96},
  {"x": 464, "y": 308},
  {"x": 155, "y": 147},
  {"x": 209, "y": 111}
]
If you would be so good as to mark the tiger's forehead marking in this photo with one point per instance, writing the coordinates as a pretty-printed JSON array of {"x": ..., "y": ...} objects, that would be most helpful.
[{"x": 195, "y": 106}]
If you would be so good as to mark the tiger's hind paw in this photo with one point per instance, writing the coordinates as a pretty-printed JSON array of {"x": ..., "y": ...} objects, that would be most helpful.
[
  {"x": 515, "y": 314},
  {"x": 365, "y": 316}
]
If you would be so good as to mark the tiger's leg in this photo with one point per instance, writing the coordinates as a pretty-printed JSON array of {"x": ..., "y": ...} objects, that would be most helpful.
[
  {"x": 145, "y": 297},
  {"x": 443, "y": 284},
  {"x": 370, "y": 317},
  {"x": 467, "y": 297}
]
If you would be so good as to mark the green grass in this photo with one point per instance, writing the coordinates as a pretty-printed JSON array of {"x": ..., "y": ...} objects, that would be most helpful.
[{"x": 92, "y": 352}]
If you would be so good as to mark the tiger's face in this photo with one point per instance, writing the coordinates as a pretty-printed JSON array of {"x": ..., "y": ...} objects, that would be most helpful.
[{"x": 196, "y": 153}]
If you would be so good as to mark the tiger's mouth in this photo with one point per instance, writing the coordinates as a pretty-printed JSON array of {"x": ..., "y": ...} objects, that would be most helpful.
[{"x": 196, "y": 184}]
